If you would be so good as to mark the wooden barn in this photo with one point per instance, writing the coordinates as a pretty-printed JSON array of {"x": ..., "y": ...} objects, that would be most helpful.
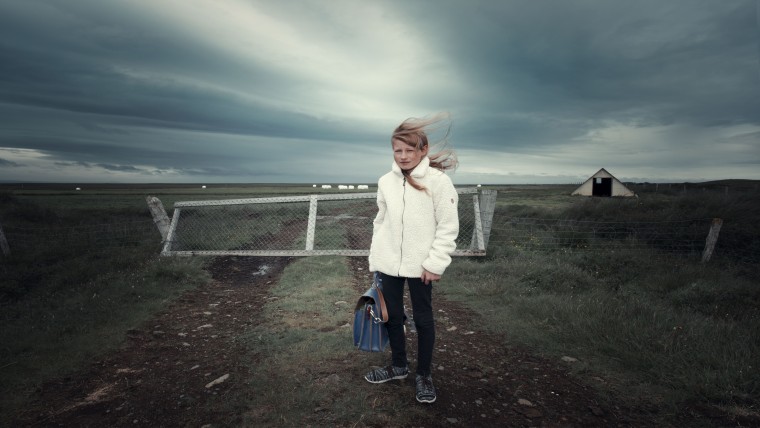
[{"x": 603, "y": 184}]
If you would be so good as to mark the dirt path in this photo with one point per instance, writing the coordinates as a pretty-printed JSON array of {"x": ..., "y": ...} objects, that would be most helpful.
[
  {"x": 161, "y": 376},
  {"x": 482, "y": 382}
]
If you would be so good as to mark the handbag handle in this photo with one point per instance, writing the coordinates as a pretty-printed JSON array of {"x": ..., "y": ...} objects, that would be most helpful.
[
  {"x": 381, "y": 300},
  {"x": 381, "y": 303}
]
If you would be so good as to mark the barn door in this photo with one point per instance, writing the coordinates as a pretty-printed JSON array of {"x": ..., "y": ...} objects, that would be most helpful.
[{"x": 602, "y": 187}]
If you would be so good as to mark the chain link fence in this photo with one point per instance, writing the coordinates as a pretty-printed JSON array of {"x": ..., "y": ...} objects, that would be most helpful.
[
  {"x": 305, "y": 225},
  {"x": 342, "y": 224},
  {"x": 687, "y": 237},
  {"x": 80, "y": 237}
]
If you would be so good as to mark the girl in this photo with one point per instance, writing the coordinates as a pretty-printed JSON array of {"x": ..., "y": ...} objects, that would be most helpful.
[{"x": 413, "y": 236}]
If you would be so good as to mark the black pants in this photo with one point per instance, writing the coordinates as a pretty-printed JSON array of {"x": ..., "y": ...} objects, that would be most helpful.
[{"x": 422, "y": 310}]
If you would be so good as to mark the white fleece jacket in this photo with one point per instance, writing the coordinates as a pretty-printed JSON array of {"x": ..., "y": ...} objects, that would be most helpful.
[{"x": 414, "y": 229}]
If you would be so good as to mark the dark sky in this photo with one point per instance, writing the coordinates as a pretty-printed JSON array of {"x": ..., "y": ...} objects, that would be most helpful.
[{"x": 309, "y": 91}]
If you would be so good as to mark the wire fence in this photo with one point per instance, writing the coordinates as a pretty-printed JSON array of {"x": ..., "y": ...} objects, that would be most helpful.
[
  {"x": 82, "y": 237},
  {"x": 685, "y": 237},
  {"x": 345, "y": 227},
  {"x": 304, "y": 225},
  {"x": 738, "y": 244}
]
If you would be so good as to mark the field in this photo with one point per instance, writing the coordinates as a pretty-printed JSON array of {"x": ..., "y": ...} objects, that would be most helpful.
[{"x": 99, "y": 330}]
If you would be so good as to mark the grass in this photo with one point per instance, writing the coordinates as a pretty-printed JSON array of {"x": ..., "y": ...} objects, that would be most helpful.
[
  {"x": 52, "y": 331},
  {"x": 660, "y": 329},
  {"x": 540, "y": 197},
  {"x": 305, "y": 336},
  {"x": 121, "y": 196},
  {"x": 238, "y": 226},
  {"x": 64, "y": 303},
  {"x": 670, "y": 331}
]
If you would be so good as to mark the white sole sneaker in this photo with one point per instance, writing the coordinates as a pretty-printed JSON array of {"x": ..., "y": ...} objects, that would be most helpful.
[{"x": 370, "y": 378}]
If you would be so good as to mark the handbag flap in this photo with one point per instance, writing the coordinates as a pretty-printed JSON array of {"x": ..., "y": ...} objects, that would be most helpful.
[{"x": 374, "y": 296}]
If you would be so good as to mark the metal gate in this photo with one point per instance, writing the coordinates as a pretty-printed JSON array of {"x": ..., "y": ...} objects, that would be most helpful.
[{"x": 309, "y": 225}]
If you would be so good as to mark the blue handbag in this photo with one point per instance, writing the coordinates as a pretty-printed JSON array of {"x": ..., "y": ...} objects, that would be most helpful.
[{"x": 370, "y": 316}]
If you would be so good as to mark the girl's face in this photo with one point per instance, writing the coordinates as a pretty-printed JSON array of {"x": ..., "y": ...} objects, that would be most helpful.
[{"x": 407, "y": 157}]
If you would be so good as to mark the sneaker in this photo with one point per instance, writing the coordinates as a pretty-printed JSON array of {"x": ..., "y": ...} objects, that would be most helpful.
[
  {"x": 425, "y": 389},
  {"x": 385, "y": 374}
]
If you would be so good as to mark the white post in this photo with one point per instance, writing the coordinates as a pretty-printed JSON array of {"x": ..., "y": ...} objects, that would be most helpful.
[
  {"x": 487, "y": 208},
  {"x": 484, "y": 205},
  {"x": 170, "y": 234},
  {"x": 4, "y": 244},
  {"x": 712, "y": 238},
  {"x": 312, "y": 223},
  {"x": 477, "y": 243},
  {"x": 159, "y": 215}
]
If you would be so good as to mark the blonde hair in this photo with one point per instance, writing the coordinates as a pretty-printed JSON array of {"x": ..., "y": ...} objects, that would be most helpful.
[{"x": 414, "y": 132}]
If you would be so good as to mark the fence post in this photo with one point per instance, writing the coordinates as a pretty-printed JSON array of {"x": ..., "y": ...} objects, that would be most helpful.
[
  {"x": 487, "y": 208},
  {"x": 4, "y": 244},
  {"x": 477, "y": 242},
  {"x": 159, "y": 215},
  {"x": 712, "y": 238},
  {"x": 312, "y": 223}
]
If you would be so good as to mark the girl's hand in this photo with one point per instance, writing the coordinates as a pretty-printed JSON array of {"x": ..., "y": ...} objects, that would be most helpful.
[{"x": 429, "y": 277}]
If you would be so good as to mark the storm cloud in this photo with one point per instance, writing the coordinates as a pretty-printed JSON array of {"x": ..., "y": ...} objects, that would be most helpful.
[{"x": 309, "y": 91}]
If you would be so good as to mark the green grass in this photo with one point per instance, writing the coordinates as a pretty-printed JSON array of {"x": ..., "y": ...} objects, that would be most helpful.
[
  {"x": 660, "y": 329},
  {"x": 303, "y": 353},
  {"x": 67, "y": 296},
  {"x": 541, "y": 197},
  {"x": 53, "y": 330},
  {"x": 97, "y": 196},
  {"x": 671, "y": 331},
  {"x": 239, "y": 227}
]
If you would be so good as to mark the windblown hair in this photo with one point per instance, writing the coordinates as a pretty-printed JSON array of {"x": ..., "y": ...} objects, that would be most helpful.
[{"x": 414, "y": 132}]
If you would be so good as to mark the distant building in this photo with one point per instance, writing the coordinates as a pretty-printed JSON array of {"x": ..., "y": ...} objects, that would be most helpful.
[{"x": 603, "y": 184}]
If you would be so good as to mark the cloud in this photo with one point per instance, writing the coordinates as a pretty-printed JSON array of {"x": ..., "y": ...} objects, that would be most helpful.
[
  {"x": 310, "y": 91},
  {"x": 122, "y": 168},
  {"x": 10, "y": 164}
]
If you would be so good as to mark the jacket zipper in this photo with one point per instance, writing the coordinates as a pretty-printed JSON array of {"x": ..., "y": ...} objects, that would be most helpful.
[{"x": 403, "y": 208}]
